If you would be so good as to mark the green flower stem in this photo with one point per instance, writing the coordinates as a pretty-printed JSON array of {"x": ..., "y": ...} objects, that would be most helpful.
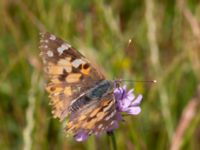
[{"x": 113, "y": 140}]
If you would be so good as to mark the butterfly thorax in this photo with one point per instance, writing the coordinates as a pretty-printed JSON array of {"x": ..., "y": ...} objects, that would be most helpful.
[
  {"x": 103, "y": 88},
  {"x": 94, "y": 94}
]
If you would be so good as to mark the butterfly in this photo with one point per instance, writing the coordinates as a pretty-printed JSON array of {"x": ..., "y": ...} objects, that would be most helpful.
[{"x": 77, "y": 90}]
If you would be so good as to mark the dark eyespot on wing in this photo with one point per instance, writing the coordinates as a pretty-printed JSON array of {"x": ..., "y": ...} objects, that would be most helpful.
[{"x": 86, "y": 66}]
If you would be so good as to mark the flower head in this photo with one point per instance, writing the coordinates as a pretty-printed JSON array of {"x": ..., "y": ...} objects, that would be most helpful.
[{"x": 126, "y": 101}]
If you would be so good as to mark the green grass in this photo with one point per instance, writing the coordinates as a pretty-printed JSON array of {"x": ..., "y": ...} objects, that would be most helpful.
[{"x": 101, "y": 30}]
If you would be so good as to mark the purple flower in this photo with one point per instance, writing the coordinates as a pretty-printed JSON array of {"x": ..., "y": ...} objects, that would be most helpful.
[{"x": 126, "y": 102}]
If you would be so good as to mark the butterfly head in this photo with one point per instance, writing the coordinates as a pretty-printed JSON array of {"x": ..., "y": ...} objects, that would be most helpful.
[{"x": 117, "y": 83}]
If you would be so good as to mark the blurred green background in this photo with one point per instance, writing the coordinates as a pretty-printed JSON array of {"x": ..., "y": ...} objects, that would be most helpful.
[{"x": 165, "y": 46}]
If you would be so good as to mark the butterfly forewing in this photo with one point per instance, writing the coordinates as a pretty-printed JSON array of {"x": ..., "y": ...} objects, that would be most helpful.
[{"x": 70, "y": 73}]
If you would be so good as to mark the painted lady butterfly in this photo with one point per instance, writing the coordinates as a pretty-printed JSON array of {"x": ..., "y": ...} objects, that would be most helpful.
[{"x": 77, "y": 90}]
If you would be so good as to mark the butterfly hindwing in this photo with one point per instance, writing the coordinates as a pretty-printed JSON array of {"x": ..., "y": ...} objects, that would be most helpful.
[
  {"x": 94, "y": 118},
  {"x": 70, "y": 74}
]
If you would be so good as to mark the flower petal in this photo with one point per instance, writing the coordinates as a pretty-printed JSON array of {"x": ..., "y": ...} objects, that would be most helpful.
[
  {"x": 130, "y": 92},
  {"x": 137, "y": 101},
  {"x": 133, "y": 110},
  {"x": 124, "y": 87},
  {"x": 125, "y": 103}
]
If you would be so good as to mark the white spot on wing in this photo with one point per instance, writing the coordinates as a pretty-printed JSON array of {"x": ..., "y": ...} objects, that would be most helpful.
[
  {"x": 107, "y": 118},
  {"x": 111, "y": 115},
  {"x": 112, "y": 122},
  {"x": 50, "y": 53},
  {"x": 41, "y": 35},
  {"x": 64, "y": 62},
  {"x": 56, "y": 94},
  {"x": 90, "y": 132},
  {"x": 100, "y": 126},
  {"x": 68, "y": 69},
  {"x": 52, "y": 37},
  {"x": 77, "y": 62},
  {"x": 62, "y": 48}
]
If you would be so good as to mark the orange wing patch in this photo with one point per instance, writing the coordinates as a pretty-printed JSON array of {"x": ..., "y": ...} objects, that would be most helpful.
[
  {"x": 68, "y": 91},
  {"x": 73, "y": 77},
  {"x": 57, "y": 69},
  {"x": 54, "y": 69},
  {"x": 95, "y": 112}
]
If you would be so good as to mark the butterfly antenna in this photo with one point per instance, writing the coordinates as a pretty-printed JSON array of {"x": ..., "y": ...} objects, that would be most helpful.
[
  {"x": 128, "y": 46},
  {"x": 148, "y": 81}
]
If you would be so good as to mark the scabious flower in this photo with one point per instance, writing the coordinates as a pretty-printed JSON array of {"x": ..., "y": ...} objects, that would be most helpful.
[{"x": 126, "y": 102}]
